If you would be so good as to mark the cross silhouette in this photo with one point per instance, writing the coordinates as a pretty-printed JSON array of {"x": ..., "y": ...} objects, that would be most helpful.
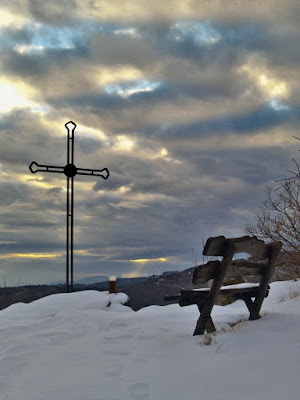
[{"x": 70, "y": 170}]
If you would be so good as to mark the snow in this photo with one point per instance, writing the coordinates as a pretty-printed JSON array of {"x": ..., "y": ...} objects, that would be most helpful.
[
  {"x": 74, "y": 347},
  {"x": 236, "y": 286}
]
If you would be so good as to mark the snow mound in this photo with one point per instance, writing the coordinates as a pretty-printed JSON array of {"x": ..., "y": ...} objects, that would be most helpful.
[
  {"x": 88, "y": 345},
  {"x": 66, "y": 304}
]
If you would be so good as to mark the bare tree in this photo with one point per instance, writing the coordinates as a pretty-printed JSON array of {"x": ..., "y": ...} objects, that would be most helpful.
[{"x": 279, "y": 219}]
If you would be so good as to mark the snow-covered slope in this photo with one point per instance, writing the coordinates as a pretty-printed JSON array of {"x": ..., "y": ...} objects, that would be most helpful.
[{"x": 74, "y": 347}]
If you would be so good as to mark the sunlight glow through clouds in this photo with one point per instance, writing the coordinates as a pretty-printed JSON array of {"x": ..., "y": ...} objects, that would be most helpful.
[
  {"x": 16, "y": 94},
  {"x": 28, "y": 255},
  {"x": 123, "y": 143},
  {"x": 269, "y": 85},
  {"x": 145, "y": 260},
  {"x": 87, "y": 131},
  {"x": 9, "y": 18},
  {"x": 22, "y": 49},
  {"x": 111, "y": 78},
  {"x": 273, "y": 87}
]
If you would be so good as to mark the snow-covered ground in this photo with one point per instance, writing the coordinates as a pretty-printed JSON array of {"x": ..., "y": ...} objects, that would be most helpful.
[{"x": 74, "y": 347}]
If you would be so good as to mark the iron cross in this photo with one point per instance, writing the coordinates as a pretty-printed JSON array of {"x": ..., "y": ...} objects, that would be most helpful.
[{"x": 70, "y": 170}]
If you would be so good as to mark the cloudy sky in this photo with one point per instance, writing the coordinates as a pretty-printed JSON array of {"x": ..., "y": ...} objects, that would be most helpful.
[{"x": 190, "y": 104}]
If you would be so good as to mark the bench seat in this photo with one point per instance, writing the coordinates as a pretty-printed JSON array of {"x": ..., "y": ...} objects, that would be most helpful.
[{"x": 198, "y": 296}]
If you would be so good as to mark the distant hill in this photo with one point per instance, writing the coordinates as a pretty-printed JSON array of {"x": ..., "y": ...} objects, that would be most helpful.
[
  {"x": 92, "y": 279},
  {"x": 85, "y": 281},
  {"x": 143, "y": 291}
]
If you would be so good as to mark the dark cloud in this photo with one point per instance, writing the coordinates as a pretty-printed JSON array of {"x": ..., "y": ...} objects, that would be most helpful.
[
  {"x": 192, "y": 113},
  {"x": 262, "y": 119},
  {"x": 54, "y": 191},
  {"x": 10, "y": 193}
]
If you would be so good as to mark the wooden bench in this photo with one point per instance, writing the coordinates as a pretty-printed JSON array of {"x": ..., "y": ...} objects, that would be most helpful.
[{"x": 218, "y": 270}]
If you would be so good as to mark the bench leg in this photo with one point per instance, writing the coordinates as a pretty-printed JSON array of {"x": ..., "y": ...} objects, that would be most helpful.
[
  {"x": 210, "y": 327},
  {"x": 254, "y": 313},
  {"x": 204, "y": 322}
]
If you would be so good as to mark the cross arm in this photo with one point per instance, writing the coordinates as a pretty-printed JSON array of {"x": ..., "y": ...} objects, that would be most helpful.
[
  {"x": 104, "y": 173},
  {"x": 35, "y": 167}
]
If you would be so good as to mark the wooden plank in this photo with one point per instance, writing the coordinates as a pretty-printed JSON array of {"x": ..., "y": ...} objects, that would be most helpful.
[
  {"x": 251, "y": 245},
  {"x": 189, "y": 297},
  {"x": 236, "y": 272},
  {"x": 216, "y": 246},
  {"x": 248, "y": 264},
  {"x": 203, "y": 273},
  {"x": 253, "y": 290}
]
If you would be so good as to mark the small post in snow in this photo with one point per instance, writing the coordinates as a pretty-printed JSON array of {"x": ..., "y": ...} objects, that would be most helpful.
[{"x": 113, "y": 284}]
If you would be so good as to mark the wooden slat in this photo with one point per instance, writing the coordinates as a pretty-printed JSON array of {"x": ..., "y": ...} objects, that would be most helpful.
[
  {"x": 204, "y": 273},
  {"x": 253, "y": 290},
  {"x": 247, "y": 264},
  {"x": 216, "y": 246},
  {"x": 241, "y": 269},
  {"x": 193, "y": 295},
  {"x": 189, "y": 297},
  {"x": 251, "y": 245}
]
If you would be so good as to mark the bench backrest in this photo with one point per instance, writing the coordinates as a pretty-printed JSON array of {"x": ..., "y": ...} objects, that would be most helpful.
[
  {"x": 227, "y": 248},
  {"x": 219, "y": 246},
  {"x": 216, "y": 246}
]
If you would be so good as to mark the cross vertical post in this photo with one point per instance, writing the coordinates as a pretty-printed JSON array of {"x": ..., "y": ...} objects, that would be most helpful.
[
  {"x": 70, "y": 170},
  {"x": 70, "y": 207}
]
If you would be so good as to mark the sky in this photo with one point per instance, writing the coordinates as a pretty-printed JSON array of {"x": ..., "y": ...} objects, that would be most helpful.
[{"x": 191, "y": 105}]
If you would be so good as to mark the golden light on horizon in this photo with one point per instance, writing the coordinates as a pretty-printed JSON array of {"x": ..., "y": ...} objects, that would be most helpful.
[
  {"x": 29, "y": 255},
  {"x": 144, "y": 260}
]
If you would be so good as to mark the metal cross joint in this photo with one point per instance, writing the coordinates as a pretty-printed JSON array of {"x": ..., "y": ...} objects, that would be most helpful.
[{"x": 70, "y": 170}]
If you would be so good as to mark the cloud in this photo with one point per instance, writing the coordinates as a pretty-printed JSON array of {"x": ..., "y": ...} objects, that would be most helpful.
[{"x": 190, "y": 105}]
